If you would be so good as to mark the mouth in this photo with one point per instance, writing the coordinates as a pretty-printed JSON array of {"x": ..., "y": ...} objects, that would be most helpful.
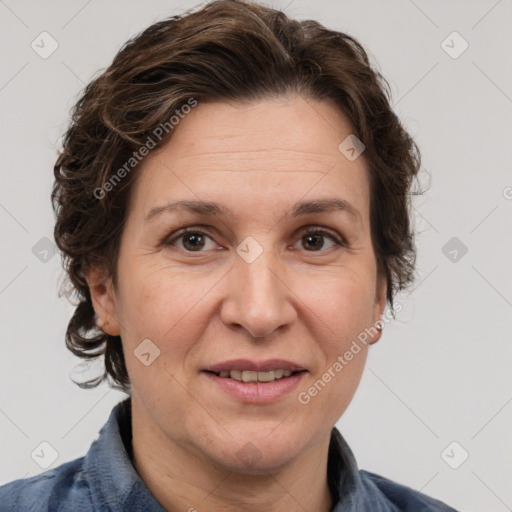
[
  {"x": 253, "y": 376},
  {"x": 245, "y": 370},
  {"x": 256, "y": 382}
]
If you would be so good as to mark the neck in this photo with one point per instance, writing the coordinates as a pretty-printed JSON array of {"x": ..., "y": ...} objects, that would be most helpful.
[{"x": 181, "y": 479}]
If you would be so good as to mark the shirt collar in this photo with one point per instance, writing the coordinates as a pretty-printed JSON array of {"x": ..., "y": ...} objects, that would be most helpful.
[{"x": 115, "y": 482}]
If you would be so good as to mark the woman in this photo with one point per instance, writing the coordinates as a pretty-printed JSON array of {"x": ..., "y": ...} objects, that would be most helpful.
[{"x": 232, "y": 204}]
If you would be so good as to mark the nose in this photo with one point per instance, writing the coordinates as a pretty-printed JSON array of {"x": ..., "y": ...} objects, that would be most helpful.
[{"x": 259, "y": 299}]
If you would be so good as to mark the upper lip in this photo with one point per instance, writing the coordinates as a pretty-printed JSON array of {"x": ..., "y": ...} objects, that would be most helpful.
[{"x": 255, "y": 366}]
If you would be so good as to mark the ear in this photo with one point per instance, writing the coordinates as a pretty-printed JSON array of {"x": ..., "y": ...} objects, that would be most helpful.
[
  {"x": 378, "y": 307},
  {"x": 103, "y": 300}
]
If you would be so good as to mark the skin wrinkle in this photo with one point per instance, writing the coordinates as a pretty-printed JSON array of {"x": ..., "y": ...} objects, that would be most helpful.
[
  {"x": 281, "y": 217},
  {"x": 302, "y": 305},
  {"x": 198, "y": 161},
  {"x": 338, "y": 222},
  {"x": 257, "y": 152}
]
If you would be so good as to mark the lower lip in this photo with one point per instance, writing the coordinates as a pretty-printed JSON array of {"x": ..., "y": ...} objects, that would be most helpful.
[{"x": 257, "y": 392}]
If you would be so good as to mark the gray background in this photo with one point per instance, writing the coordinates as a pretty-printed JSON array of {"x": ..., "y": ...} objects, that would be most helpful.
[{"x": 441, "y": 372}]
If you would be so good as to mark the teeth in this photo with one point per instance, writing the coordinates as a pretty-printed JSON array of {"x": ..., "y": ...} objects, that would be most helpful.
[
  {"x": 266, "y": 376},
  {"x": 235, "y": 374},
  {"x": 251, "y": 376}
]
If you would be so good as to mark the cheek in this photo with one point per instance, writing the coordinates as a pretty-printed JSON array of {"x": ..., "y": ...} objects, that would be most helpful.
[
  {"x": 342, "y": 304},
  {"x": 160, "y": 304},
  {"x": 342, "y": 310}
]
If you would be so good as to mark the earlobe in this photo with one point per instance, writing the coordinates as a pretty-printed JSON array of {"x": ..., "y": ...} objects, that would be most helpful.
[
  {"x": 378, "y": 311},
  {"x": 103, "y": 300}
]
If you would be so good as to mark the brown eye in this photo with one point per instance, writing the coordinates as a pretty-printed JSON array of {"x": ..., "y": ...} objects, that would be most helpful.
[
  {"x": 195, "y": 240},
  {"x": 192, "y": 240},
  {"x": 313, "y": 240}
]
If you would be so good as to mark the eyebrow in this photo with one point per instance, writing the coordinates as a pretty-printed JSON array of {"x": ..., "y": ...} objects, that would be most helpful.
[{"x": 214, "y": 209}]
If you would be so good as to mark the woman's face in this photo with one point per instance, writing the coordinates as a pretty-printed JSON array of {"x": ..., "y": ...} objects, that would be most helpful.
[{"x": 247, "y": 283}]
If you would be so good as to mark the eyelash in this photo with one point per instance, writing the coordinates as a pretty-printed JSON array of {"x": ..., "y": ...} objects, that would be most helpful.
[{"x": 339, "y": 241}]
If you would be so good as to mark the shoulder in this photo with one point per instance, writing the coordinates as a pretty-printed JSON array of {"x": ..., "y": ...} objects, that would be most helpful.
[
  {"x": 404, "y": 498},
  {"x": 64, "y": 486}
]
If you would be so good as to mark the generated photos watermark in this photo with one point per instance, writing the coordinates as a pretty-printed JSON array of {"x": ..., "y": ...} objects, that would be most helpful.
[
  {"x": 137, "y": 156},
  {"x": 305, "y": 397}
]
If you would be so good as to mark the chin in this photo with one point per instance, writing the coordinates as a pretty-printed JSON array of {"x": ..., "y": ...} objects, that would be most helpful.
[
  {"x": 258, "y": 454},
  {"x": 255, "y": 461}
]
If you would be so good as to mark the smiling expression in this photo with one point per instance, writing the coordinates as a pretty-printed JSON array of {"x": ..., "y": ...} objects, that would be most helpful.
[{"x": 277, "y": 263}]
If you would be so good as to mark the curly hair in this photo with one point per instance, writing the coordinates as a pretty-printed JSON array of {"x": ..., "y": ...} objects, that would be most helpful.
[{"x": 229, "y": 50}]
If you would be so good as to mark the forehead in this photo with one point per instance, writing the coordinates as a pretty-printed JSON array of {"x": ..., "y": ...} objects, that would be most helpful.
[
  {"x": 277, "y": 151},
  {"x": 280, "y": 125}
]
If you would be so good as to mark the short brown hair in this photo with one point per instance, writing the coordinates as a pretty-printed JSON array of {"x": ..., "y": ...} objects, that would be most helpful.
[{"x": 229, "y": 50}]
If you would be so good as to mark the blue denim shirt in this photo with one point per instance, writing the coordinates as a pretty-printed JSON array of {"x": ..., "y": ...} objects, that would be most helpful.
[{"x": 106, "y": 480}]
